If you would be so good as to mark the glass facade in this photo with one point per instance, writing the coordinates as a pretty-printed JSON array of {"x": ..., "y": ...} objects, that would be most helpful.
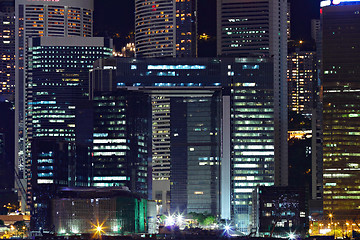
[
  {"x": 81, "y": 211},
  {"x": 121, "y": 140},
  {"x": 56, "y": 90},
  {"x": 249, "y": 84},
  {"x": 45, "y": 18},
  {"x": 195, "y": 152},
  {"x": 244, "y": 27},
  {"x": 252, "y": 122},
  {"x": 341, "y": 61}
]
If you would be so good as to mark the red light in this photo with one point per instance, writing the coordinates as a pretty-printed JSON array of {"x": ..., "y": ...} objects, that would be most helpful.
[
  {"x": 154, "y": 7},
  {"x": 320, "y": 10}
]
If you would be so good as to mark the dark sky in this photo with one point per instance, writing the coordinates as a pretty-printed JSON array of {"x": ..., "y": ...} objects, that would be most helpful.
[{"x": 117, "y": 16}]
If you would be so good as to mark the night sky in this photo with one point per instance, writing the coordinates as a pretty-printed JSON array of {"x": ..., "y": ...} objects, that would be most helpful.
[{"x": 117, "y": 16}]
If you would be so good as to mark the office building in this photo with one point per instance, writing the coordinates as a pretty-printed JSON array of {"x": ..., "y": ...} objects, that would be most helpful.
[
  {"x": 165, "y": 28},
  {"x": 301, "y": 82},
  {"x": 195, "y": 151},
  {"x": 51, "y": 161},
  {"x": 57, "y": 89},
  {"x": 315, "y": 29},
  {"x": 7, "y": 50},
  {"x": 242, "y": 91},
  {"x": 36, "y": 19},
  {"x": 258, "y": 28},
  {"x": 280, "y": 211},
  {"x": 122, "y": 131},
  {"x": 117, "y": 211},
  {"x": 340, "y": 64}
]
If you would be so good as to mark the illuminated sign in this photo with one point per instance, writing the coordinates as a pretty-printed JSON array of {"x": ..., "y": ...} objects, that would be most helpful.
[{"x": 326, "y": 3}]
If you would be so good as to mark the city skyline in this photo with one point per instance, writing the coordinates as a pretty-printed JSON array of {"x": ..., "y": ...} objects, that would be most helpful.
[{"x": 208, "y": 109}]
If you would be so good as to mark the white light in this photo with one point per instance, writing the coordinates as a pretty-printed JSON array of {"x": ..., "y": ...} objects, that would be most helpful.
[
  {"x": 325, "y": 3},
  {"x": 179, "y": 220},
  {"x": 169, "y": 221},
  {"x": 292, "y": 236}
]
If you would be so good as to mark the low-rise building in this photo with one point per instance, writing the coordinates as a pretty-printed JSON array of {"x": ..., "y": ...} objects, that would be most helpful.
[{"x": 100, "y": 211}]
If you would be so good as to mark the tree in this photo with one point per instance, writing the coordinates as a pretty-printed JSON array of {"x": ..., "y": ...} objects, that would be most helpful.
[{"x": 209, "y": 220}]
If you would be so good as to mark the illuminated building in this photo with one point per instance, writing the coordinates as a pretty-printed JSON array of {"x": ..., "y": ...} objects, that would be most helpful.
[
  {"x": 280, "y": 211},
  {"x": 52, "y": 159},
  {"x": 301, "y": 76},
  {"x": 61, "y": 18},
  {"x": 341, "y": 111},
  {"x": 100, "y": 211},
  {"x": 165, "y": 28},
  {"x": 247, "y": 125},
  {"x": 7, "y": 50},
  {"x": 57, "y": 87},
  {"x": 258, "y": 28},
  {"x": 122, "y": 131}
]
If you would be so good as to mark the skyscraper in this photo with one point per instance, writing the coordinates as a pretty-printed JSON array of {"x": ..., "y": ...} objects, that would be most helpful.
[
  {"x": 341, "y": 87},
  {"x": 7, "y": 50},
  {"x": 257, "y": 28},
  {"x": 246, "y": 109},
  {"x": 57, "y": 87},
  {"x": 165, "y": 28},
  {"x": 301, "y": 82},
  {"x": 37, "y": 19},
  {"x": 122, "y": 130}
]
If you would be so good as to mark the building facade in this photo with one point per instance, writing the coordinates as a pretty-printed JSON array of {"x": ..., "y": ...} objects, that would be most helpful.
[
  {"x": 165, "y": 28},
  {"x": 44, "y": 18},
  {"x": 340, "y": 59},
  {"x": 115, "y": 210},
  {"x": 122, "y": 131},
  {"x": 259, "y": 28},
  {"x": 57, "y": 88},
  {"x": 7, "y": 50},
  {"x": 280, "y": 211},
  {"x": 246, "y": 127},
  {"x": 301, "y": 82}
]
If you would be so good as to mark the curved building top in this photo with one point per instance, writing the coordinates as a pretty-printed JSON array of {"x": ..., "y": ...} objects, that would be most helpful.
[{"x": 88, "y": 4}]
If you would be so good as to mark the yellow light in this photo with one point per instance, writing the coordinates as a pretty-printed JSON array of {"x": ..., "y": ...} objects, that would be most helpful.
[{"x": 98, "y": 228}]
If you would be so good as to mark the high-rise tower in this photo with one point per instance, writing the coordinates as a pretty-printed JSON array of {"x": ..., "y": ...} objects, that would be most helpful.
[
  {"x": 7, "y": 49},
  {"x": 37, "y": 19},
  {"x": 165, "y": 28},
  {"x": 341, "y": 107},
  {"x": 257, "y": 28}
]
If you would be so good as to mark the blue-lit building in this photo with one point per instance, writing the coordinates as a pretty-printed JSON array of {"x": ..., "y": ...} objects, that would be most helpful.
[
  {"x": 241, "y": 125},
  {"x": 56, "y": 99}
]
